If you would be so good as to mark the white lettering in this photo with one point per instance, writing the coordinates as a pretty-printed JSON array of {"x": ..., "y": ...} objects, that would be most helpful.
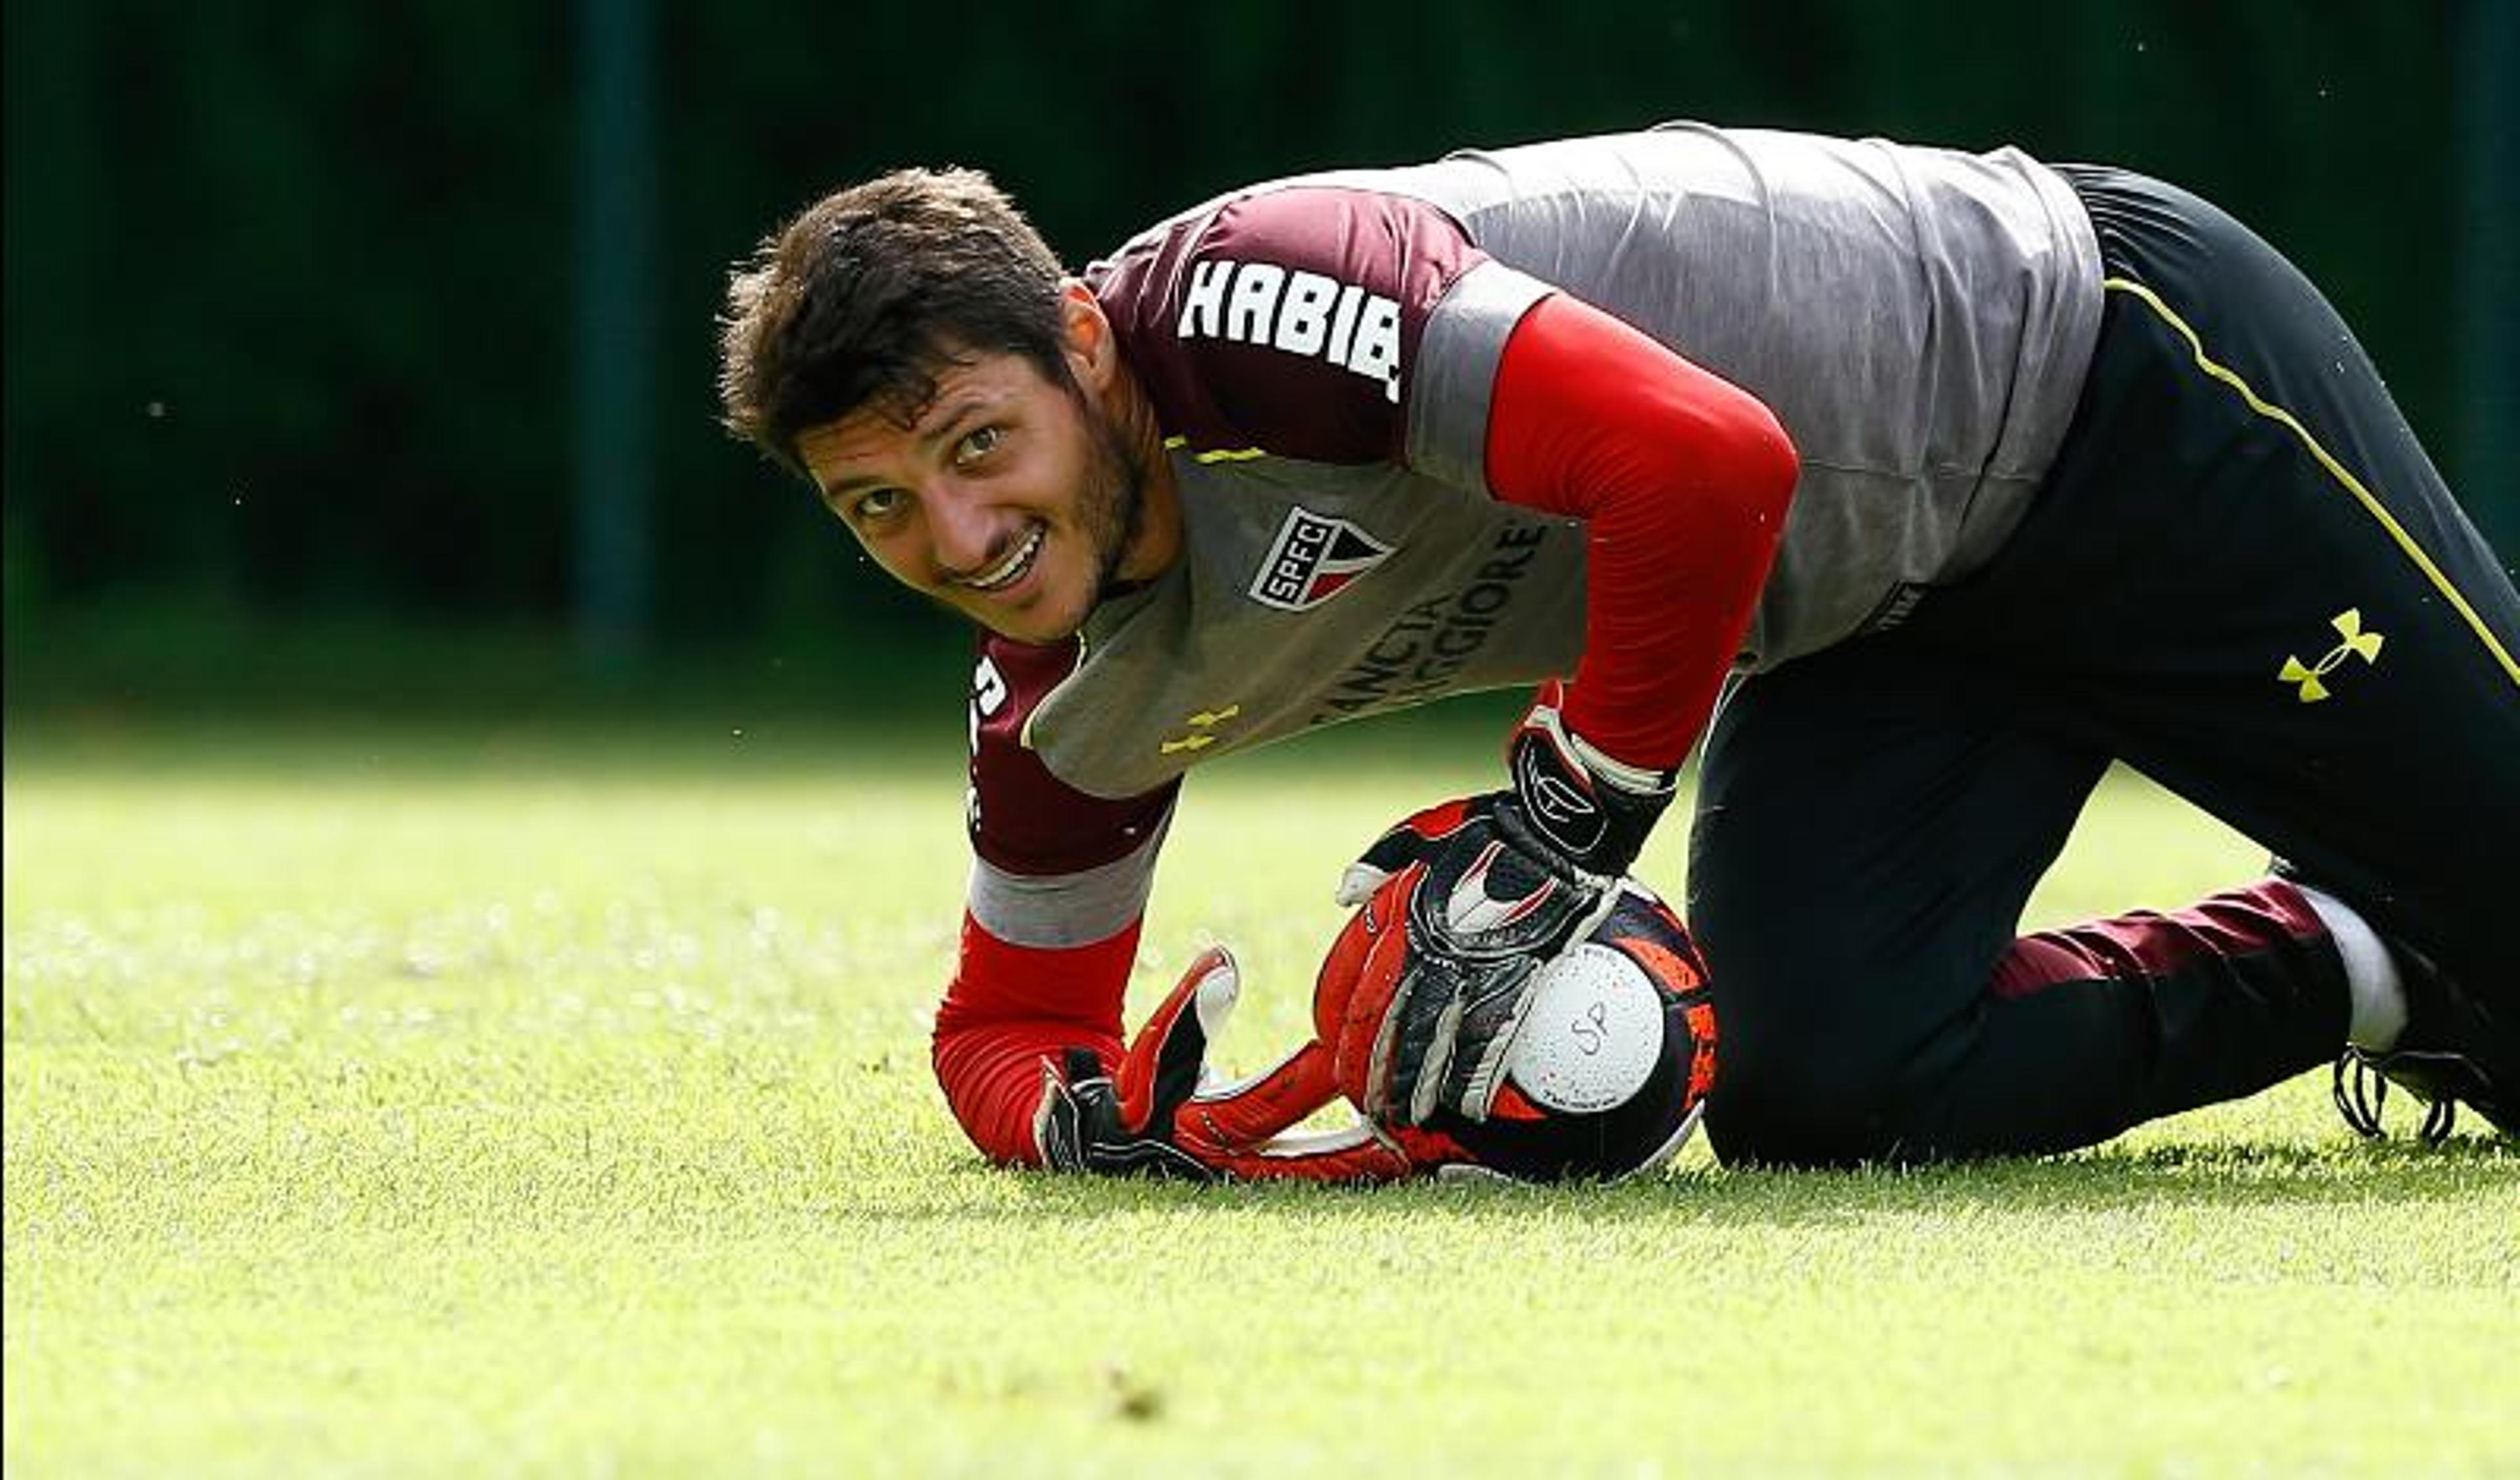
[
  {"x": 988, "y": 688},
  {"x": 1343, "y": 322},
  {"x": 988, "y": 696},
  {"x": 1255, "y": 298},
  {"x": 1376, "y": 351},
  {"x": 1300, "y": 312},
  {"x": 1303, "y": 320},
  {"x": 1205, "y": 302}
]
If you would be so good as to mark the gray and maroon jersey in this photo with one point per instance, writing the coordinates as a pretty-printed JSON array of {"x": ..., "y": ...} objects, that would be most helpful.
[{"x": 1320, "y": 352}]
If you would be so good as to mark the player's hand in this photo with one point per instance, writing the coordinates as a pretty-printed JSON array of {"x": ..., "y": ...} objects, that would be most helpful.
[
  {"x": 1464, "y": 900},
  {"x": 1577, "y": 812},
  {"x": 1090, "y": 1120},
  {"x": 1157, "y": 1117},
  {"x": 1080, "y": 1127}
]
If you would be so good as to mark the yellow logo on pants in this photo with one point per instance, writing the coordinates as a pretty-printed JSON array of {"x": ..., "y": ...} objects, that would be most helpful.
[{"x": 2356, "y": 643}]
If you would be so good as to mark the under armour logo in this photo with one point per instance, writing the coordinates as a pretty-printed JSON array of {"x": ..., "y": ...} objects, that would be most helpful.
[
  {"x": 2355, "y": 642},
  {"x": 1200, "y": 724}
]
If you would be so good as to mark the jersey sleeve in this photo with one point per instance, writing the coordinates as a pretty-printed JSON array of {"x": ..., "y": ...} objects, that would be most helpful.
[
  {"x": 1328, "y": 323},
  {"x": 1059, "y": 888}
]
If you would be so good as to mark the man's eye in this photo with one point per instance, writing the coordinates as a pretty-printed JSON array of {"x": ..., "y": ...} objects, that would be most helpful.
[
  {"x": 979, "y": 444},
  {"x": 876, "y": 503}
]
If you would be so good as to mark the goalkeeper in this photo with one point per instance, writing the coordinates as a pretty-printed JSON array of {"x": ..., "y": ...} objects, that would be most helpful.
[{"x": 1954, "y": 476}]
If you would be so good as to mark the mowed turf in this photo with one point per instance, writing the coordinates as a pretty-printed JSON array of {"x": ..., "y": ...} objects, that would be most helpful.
[{"x": 561, "y": 1106}]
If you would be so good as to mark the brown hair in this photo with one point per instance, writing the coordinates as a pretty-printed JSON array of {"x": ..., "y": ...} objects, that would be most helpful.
[{"x": 870, "y": 292}]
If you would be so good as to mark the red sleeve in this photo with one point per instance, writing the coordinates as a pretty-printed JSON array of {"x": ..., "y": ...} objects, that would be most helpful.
[
  {"x": 1012, "y": 1007},
  {"x": 1682, "y": 479}
]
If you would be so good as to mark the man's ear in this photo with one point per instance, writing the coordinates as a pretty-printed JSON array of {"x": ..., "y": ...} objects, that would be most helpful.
[{"x": 1093, "y": 350}]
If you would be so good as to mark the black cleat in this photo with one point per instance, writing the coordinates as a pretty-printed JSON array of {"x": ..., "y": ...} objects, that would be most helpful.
[{"x": 2456, "y": 1050}]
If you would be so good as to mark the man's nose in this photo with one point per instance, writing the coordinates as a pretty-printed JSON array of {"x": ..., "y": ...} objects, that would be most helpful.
[{"x": 960, "y": 527}]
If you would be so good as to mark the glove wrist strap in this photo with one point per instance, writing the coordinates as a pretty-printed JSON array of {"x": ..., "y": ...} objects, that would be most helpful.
[
  {"x": 1586, "y": 809},
  {"x": 1637, "y": 780}
]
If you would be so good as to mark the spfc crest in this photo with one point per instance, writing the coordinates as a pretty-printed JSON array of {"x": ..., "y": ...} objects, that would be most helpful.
[{"x": 1314, "y": 558}]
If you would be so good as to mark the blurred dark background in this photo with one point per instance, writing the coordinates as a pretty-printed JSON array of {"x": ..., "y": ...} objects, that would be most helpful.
[{"x": 364, "y": 354}]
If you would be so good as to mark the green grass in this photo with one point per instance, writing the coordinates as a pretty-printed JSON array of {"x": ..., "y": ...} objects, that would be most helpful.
[{"x": 544, "y": 1104}]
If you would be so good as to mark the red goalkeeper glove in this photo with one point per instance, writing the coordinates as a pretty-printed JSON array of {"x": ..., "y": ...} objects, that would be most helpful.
[{"x": 1158, "y": 1116}]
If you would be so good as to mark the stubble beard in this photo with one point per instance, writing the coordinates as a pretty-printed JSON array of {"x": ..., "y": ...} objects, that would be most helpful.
[
  {"x": 1110, "y": 514},
  {"x": 1113, "y": 507}
]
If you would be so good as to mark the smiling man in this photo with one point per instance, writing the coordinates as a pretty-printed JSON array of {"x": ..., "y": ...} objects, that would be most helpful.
[{"x": 1957, "y": 476}]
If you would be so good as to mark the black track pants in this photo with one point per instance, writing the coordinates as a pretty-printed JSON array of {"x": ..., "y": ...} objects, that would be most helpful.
[{"x": 2244, "y": 578}]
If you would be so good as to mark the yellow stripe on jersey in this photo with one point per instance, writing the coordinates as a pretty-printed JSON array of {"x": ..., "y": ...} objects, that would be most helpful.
[
  {"x": 1223, "y": 455},
  {"x": 2336, "y": 470}
]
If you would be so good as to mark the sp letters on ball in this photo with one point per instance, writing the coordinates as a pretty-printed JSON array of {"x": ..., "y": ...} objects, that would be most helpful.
[{"x": 1592, "y": 1034}]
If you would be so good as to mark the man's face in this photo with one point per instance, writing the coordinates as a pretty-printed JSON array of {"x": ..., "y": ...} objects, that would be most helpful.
[{"x": 1010, "y": 498}]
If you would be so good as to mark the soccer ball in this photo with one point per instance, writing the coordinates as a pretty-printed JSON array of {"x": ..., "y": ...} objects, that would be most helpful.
[
  {"x": 1608, "y": 1068},
  {"x": 1608, "y": 1073}
]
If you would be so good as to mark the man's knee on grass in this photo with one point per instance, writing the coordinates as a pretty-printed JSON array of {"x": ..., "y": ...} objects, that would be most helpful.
[{"x": 1804, "y": 1093}]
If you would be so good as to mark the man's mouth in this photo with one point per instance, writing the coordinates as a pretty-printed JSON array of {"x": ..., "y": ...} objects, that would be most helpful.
[{"x": 1010, "y": 569}]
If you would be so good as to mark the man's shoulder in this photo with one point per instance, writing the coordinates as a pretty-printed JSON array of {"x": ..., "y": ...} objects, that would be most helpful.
[{"x": 1284, "y": 319}]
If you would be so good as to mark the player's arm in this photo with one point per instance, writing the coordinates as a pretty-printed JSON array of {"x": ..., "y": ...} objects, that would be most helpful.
[
  {"x": 1027, "y": 1045},
  {"x": 1481, "y": 375},
  {"x": 1028, "y": 1050},
  {"x": 1010, "y": 1011},
  {"x": 1683, "y": 481},
  {"x": 1345, "y": 325},
  {"x": 1057, "y": 890}
]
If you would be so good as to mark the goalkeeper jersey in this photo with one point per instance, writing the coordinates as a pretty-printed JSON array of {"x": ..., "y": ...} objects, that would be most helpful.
[{"x": 1321, "y": 350}]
